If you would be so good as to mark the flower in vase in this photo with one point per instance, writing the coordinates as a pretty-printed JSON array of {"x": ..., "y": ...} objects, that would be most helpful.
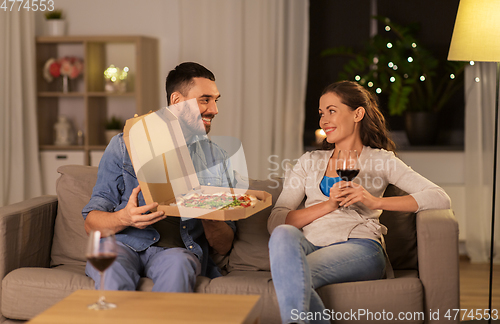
[
  {"x": 77, "y": 68},
  {"x": 68, "y": 66},
  {"x": 51, "y": 70}
]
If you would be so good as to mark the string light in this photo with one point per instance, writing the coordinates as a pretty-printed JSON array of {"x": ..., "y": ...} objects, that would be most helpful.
[
  {"x": 116, "y": 79},
  {"x": 390, "y": 64},
  {"x": 414, "y": 45},
  {"x": 472, "y": 63},
  {"x": 477, "y": 79},
  {"x": 379, "y": 91},
  {"x": 389, "y": 45},
  {"x": 392, "y": 79},
  {"x": 395, "y": 67},
  {"x": 410, "y": 59},
  {"x": 387, "y": 28},
  {"x": 452, "y": 76},
  {"x": 422, "y": 78},
  {"x": 370, "y": 84},
  {"x": 357, "y": 78}
]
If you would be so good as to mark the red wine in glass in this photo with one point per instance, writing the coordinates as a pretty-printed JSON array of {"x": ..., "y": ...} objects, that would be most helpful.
[
  {"x": 347, "y": 174},
  {"x": 347, "y": 166},
  {"x": 101, "y": 253},
  {"x": 102, "y": 261}
]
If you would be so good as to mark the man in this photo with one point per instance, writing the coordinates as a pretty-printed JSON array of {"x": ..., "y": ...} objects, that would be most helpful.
[{"x": 169, "y": 250}]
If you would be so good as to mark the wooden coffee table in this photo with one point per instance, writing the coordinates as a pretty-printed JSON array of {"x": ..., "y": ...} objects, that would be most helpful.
[{"x": 153, "y": 307}]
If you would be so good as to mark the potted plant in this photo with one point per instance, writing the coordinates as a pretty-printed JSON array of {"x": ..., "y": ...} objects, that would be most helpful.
[
  {"x": 415, "y": 82},
  {"x": 56, "y": 25},
  {"x": 114, "y": 126}
]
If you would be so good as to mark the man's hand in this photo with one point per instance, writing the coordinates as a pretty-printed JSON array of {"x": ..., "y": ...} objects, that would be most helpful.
[
  {"x": 219, "y": 235},
  {"x": 132, "y": 215}
]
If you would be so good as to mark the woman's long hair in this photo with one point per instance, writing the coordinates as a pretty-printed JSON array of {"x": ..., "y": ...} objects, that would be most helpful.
[{"x": 373, "y": 130}]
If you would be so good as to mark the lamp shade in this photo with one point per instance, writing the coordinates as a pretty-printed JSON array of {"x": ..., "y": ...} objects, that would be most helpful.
[{"x": 476, "y": 35}]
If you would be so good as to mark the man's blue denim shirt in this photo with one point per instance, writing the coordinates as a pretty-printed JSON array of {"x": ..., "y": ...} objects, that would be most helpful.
[{"x": 116, "y": 179}]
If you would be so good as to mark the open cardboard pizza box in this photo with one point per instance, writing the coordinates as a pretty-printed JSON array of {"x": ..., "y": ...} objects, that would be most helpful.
[{"x": 164, "y": 168}]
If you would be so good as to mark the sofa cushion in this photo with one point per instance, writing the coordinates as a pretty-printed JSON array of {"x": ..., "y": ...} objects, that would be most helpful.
[
  {"x": 250, "y": 248},
  {"x": 74, "y": 188},
  {"x": 401, "y": 237},
  {"x": 399, "y": 295},
  {"x": 249, "y": 283},
  {"x": 26, "y": 292}
]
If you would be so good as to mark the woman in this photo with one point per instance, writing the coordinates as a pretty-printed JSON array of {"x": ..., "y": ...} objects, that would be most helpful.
[{"x": 323, "y": 243}]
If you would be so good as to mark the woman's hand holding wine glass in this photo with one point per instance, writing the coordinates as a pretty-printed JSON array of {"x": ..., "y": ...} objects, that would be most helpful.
[
  {"x": 101, "y": 253},
  {"x": 347, "y": 167}
]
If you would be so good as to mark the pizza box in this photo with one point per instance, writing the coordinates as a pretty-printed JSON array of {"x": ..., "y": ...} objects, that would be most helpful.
[
  {"x": 164, "y": 168},
  {"x": 265, "y": 200}
]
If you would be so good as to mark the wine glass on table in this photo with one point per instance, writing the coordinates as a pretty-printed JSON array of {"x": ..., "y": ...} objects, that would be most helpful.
[
  {"x": 347, "y": 165},
  {"x": 101, "y": 253}
]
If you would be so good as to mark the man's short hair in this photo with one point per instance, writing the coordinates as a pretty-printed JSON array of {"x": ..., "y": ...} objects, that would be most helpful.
[{"x": 181, "y": 78}]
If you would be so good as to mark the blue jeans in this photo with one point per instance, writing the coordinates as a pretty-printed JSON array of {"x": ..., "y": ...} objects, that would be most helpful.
[
  {"x": 298, "y": 268},
  {"x": 172, "y": 270}
]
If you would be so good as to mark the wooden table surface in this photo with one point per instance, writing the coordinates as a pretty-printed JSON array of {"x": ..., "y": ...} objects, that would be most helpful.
[{"x": 153, "y": 307}]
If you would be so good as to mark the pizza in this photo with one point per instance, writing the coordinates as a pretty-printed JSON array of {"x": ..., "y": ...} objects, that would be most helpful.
[{"x": 220, "y": 200}]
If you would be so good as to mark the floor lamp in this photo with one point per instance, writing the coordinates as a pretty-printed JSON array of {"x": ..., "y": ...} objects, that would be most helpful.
[{"x": 476, "y": 37}]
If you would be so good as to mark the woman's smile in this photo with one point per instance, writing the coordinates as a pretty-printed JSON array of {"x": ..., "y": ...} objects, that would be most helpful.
[{"x": 329, "y": 129}]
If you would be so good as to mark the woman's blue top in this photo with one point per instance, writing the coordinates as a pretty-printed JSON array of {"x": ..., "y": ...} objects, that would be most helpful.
[{"x": 327, "y": 183}]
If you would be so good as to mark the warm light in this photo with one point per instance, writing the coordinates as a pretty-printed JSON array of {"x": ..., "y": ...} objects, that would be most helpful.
[
  {"x": 472, "y": 63},
  {"x": 320, "y": 135},
  {"x": 392, "y": 79},
  {"x": 422, "y": 78},
  {"x": 387, "y": 28},
  {"x": 379, "y": 91},
  {"x": 357, "y": 78},
  {"x": 116, "y": 79},
  {"x": 475, "y": 35},
  {"x": 414, "y": 45},
  {"x": 477, "y": 79},
  {"x": 370, "y": 84},
  {"x": 389, "y": 45},
  {"x": 390, "y": 64},
  {"x": 410, "y": 59},
  {"x": 395, "y": 67},
  {"x": 452, "y": 76}
]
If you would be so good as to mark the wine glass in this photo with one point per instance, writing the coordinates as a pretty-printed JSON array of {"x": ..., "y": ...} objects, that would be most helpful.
[
  {"x": 101, "y": 253},
  {"x": 347, "y": 165}
]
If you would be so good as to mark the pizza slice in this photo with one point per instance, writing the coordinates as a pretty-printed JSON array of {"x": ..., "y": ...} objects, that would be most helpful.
[{"x": 221, "y": 200}]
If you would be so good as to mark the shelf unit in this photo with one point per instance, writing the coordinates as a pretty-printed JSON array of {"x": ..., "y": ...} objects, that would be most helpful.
[{"x": 90, "y": 94}]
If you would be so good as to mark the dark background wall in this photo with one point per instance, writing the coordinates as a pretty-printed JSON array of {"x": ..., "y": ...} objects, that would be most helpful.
[{"x": 347, "y": 23}]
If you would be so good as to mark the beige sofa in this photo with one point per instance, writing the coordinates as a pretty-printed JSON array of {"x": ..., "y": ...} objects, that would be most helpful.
[{"x": 43, "y": 241}]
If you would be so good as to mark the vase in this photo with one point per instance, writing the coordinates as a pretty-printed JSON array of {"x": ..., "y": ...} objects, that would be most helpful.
[
  {"x": 65, "y": 84},
  {"x": 55, "y": 27},
  {"x": 63, "y": 131},
  {"x": 421, "y": 127}
]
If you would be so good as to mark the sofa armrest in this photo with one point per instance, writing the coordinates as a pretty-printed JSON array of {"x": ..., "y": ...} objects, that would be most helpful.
[
  {"x": 26, "y": 231},
  {"x": 438, "y": 261}
]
